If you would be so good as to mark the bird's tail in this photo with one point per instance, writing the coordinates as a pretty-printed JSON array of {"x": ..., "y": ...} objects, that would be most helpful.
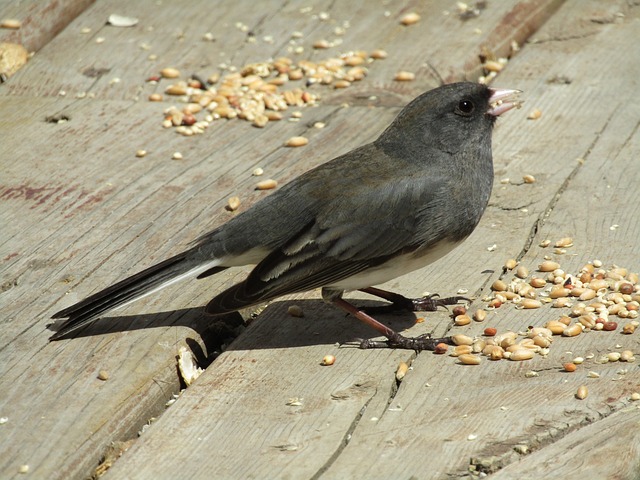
[{"x": 133, "y": 288}]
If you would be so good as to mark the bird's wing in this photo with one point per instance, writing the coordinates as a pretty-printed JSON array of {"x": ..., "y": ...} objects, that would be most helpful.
[{"x": 355, "y": 232}]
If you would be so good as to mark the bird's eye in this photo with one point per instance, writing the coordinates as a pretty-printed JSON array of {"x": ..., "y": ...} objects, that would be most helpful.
[{"x": 465, "y": 107}]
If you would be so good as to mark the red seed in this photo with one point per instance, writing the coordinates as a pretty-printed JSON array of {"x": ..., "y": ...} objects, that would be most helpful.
[
  {"x": 490, "y": 331},
  {"x": 609, "y": 326},
  {"x": 570, "y": 367},
  {"x": 459, "y": 310},
  {"x": 441, "y": 348}
]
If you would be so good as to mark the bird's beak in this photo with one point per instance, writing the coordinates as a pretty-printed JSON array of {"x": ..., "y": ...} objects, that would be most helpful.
[{"x": 502, "y": 100}]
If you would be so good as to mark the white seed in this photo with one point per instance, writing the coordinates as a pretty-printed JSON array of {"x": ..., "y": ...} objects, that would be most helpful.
[
  {"x": 328, "y": 360},
  {"x": 548, "y": 266},
  {"x": 257, "y": 172},
  {"x": 521, "y": 354},
  {"x": 460, "y": 339},
  {"x": 593, "y": 374},
  {"x": 469, "y": 359},
  {"x": 402, "y": 370},
  {"x": 410, "y": 19},
  {"x": 535, "y": 114},
  {"x": 404, "y": 76},
  {"x": 10, "y": 23},
  {"x": 614, "y": 356},
  {"x": 461, "y": 350},
  {"x": 627, "y": 356},
  {"x": 480, "y": 315},
  {"x": 233, "y": 203},
  {"x": 510, "y": 264},
  {"x": 635, "y": 396},
  {"x": 266, "y": 184},
  {"x": 582, "y": 392},
  {"x": 529, "y": 303},
  {"x": 296, "y": 142},
  {"x": 170, "y": 72},
  {"x": 522, "y": 272},
  {"x": 462, "y": 320},
  {"x": 23, "y": 469},
  {"x": 572, "y": 330},
  {"x": 177, "y": 156},
  {"x": 498, "y": 286}
]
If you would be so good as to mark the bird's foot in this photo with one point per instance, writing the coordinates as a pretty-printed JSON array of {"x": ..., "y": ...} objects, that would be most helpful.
[
  {"x": 422, "y": 342},
  {"x": 428, "y": 303}
]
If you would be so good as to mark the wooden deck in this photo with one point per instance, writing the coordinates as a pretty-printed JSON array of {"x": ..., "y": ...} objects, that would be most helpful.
[{"x": 79, "y": 211}]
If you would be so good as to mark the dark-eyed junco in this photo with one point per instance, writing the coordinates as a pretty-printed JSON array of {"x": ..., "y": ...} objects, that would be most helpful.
[{"x": 366, "y": 217}]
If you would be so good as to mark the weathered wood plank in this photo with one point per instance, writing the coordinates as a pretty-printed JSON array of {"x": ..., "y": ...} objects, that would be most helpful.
[
  {"x": 425, "y": 429},
  {"x": 80, "y": 211},
  {"x": 41, "y": 20}
]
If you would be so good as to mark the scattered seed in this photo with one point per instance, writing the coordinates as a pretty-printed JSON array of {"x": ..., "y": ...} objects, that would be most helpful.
[
  {"x": 402, "y": 370},
  {"x": 103, "y": 375},
  {"x": 529, "y": 303},
  {"x": 266, "y": 184},
  {"x": 404, "y": 76},
  {"x": 462, "y": 320},
  {"x": 176, "y": 89},
  {"x": 480, "y": 315},
  {"x": 521, "y": 354},
  {"x": 296, "y": 142},
  {"x": 177, "y": 156},
  {"x": 613, "y": 356},
  {"x": 627, "y": 356},
  {"x": 596, "y": 374},
  {"x": 441, "y": 348},
  {"x": 378, "y": 54},
  {"x": 522, "y": 272},
  {"x": 10, "y": 23},
  {"x": 141, "y": 153},
  {"x": 233, "y": 203},
  {"x": 609, "y": 326},
  {"x": 569, "y": 367},
  {"x": 459, "y": 310},
  {"x": 582, "y": 392},
  {"x": 548, "y": 266},
  {"x": 537, "y": 282},
  {"x": 257, "y": 172},
  {"x": 628, "y": 329},
  {"x": 170, "y": 72},
  {"x": 155, "y": 97},
  {"x": 510, "y": 264},
  {"x": 535, "y": 114},
  {"x": 572, "y": 330},
  {"x": 460, "y": 339},
  {"x": 498, "y": 286},
  {"x": 410, "y": 19},
  {"x": 529, "y": 179},
  {"x": 295, "y": 311},
  {"x": 545, "y": 243},
  {"x": 23, "y": 469},
  {"x": 328, "y": 360},
  {"x": 469, "y": 359},
  {"x": 461, "y": 350},
  {"x": 490, "y": 331}
]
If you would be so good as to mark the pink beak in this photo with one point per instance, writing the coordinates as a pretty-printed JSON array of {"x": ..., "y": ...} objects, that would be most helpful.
[{"x": 501, "y": 101}]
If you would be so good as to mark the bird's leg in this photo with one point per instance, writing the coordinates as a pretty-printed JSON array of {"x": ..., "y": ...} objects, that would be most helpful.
[
  {"x": 395, "y": 340},
  {"x": 429, "y": 303}
]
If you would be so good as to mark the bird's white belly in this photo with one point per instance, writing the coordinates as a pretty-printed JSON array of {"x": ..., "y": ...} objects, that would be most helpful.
[{"x": 394, "y": 268}]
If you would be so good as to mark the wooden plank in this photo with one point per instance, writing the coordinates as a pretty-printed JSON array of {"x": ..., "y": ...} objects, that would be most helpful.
[
  {"x": 593, "y": 448},
  {"x": 40, "y": 20},
  {"x": 79, "y": 212},
  {"x": 462, "y": 418}
]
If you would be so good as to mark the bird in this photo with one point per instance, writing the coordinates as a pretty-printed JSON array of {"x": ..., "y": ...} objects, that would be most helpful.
[{"x": 381, "y": 210}]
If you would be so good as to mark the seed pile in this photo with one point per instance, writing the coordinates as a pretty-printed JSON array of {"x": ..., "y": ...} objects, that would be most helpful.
[
  {"x": 594, "y": 299},
  {"x": 257, "y": 92}
]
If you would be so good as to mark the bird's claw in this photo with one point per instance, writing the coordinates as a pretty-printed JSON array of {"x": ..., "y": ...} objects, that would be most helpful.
[
  {"x": 419, "y": 343},
  {"x": 430, "y": 303}
]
